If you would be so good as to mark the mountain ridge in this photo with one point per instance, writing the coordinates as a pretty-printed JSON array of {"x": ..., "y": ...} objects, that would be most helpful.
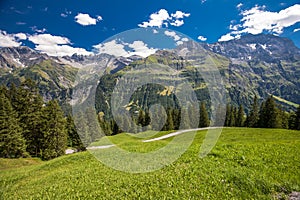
[{"x": 252, "y": 65}]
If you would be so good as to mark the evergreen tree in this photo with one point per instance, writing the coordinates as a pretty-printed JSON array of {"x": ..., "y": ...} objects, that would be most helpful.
[
  {"x": 228, "y": 114},
  {"x": 252, "y": 120},
  {"x": 55, "y": 141},
  {"x": 28, "y": 104},
  {"x": 204, "y": 119},
  {"x": 232, "y": 116},
  {"x": 297, "y": 119},
  {"x": 240, "y": 117},
  {"x": 269, "y": 114},
  {"x": 73, "y": 138},
  {"x": 12, "y": 143}
]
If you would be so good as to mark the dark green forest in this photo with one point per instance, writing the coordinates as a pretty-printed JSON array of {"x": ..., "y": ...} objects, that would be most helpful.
[{"x": 31, "y": 127}]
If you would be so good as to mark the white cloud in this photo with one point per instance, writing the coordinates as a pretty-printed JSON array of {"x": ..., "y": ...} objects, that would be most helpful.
[
  {"x": 162, "y": 17},
  {"x": 177, "y": 22},
  {"x": 8, "y": 40},
  {"x": 296, "y": 30},
  {"x": 112, "y": 48},
  {"x": 55, "y": 45},
  {"x": 99, "y": 18},
  {"x": 226, "y": 37},
  {"x": 156, "y": 19},
  {"x": 239, "y": 6},
  {"x": 61, "y": 50},
  {"x": 257, "y": 20},
  {"x": 47, "y": 39},
  {"x": 179, "y": 42},
  {"x": 202, "y": 38},
  {"x": 117, "y": 48},
  {"x": 203, "y": 1},
  {"x": 21, "y": 36},
  {"x": 155, "y": 31},
  {"x": 172, "y": 34},
  {"x": 141, "y": 49},
  {"x": 86, "y": 19},
  {"x": 184, "y": 39},
  {"x": 179, "y": 14}
]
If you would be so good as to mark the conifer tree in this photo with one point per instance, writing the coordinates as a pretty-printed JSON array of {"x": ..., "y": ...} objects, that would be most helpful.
[
  {"x": 12, "y": 143},
  {"x": 269, "y": 114},
  {"x": 252, "y": 120},
  {"x": 204, "y": 119},
  {"x": 73, "y": 137},
  {"x": 240, "y": 117},
  {"x": 55, "y": 141},
  {"x": 297, "y": 119}
]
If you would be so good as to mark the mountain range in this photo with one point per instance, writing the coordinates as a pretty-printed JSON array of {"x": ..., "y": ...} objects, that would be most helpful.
[{"x": 252, "y": 65}]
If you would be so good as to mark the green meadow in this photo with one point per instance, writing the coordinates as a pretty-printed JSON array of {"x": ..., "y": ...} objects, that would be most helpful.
[{"x": 245, "y": 164}]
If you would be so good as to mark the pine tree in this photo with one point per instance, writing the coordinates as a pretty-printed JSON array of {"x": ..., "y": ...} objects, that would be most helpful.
[
  {"x": 232, "y": 116},
  {"x": 269, "y": 114},
  {"x": 55, "y": 142},
  {"x": 297, "y": 119},
  {"x": 240, "y": 117},
  {"x": 73, "y": 137},
  {"x": 204, "y": 120},
  {"x": 254, "y": 114},
  {"x": 12, "y": 143},
  {"x": 28, "y": 105},
  {"x": 228, "y": 114}
]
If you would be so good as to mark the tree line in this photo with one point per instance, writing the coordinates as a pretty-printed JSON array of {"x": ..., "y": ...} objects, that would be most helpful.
[
  {"x": 268, "y": 114},
  {"x": 31, "y": 127}
]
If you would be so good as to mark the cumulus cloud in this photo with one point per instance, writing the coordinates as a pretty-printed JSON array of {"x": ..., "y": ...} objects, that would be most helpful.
[
  {"x": 112, "y": 48},
  {"x": 179, "y": 14},
  {"x": 117, "y": 48},
  {"x": 257, "y": 20},
  {"x": 48, "y": 39},
  {"x": 8, "y": 40},
  {"x": 177, "y": 22},
  {"x": 162, "y": 17},
  {"x": 61, "y": 50},
  {"x": 177, "y": 39},
  {"x": 86, "y": 19},
  {"x": 202, "y": 38},
  {"x": 226, "y": 37},
  {"x": 21, "y": 36},
  {"x": 156, "y": 19},
  {"x": 55, "y": 45},
  {"x": 172, "y": 34},
  {"x": 141, "y": 49}
]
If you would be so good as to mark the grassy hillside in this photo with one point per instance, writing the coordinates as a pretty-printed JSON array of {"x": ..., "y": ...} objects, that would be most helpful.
[{"x": 245, "y": 164}]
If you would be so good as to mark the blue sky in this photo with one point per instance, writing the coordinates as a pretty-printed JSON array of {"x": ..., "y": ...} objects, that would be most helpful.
[{"x": 65, "y": 27}]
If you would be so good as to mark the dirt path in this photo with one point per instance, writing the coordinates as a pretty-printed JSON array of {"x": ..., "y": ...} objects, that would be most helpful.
[
  {"x": 158, "y": 138},
  {"x": 178, "y": 132}
]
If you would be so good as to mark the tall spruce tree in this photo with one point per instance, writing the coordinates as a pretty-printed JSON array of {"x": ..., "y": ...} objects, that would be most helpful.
[
  {"x": 204, "y": 119},
  {"x": 55, "y": 141},
  {"x": 269, "y": 114},
  {"x": 253, "y": 118},
  {"x": 297, "y": 119},
  {"x": 12, "y": 143},
  {"x": 240, "y": 117},
  {"x": 73, "y": 137}
]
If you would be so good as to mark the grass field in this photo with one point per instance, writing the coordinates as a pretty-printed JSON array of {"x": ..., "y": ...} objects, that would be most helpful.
[{"x": 245, "y": 164}]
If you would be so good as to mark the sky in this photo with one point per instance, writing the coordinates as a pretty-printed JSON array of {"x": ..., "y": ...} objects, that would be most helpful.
[{"x": 85, "y": 27}]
